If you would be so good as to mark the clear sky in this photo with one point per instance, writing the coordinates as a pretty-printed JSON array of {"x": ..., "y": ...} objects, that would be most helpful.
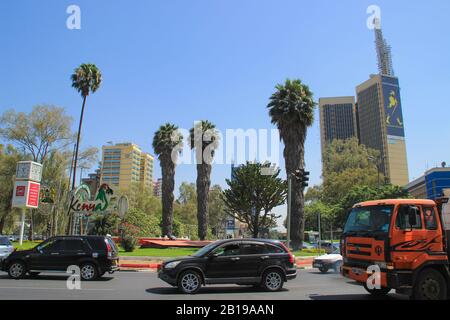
[{"x": 179, "y": 61}]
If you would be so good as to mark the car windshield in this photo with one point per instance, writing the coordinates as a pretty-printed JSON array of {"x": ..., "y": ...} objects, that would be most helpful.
[
  {"x": 370, "y": 219},
  {"x": 205, "y": 249},
  {"x": 4, "y": 241}
]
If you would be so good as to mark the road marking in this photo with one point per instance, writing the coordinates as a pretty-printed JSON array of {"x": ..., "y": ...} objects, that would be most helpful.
[{"x": 40, "y": 288}]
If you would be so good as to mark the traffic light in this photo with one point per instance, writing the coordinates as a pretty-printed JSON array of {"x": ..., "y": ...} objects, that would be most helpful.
[{"x": 302, "y": 177}]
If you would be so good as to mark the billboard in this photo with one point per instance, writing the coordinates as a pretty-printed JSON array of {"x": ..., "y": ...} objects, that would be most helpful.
[
  {"x": 26, "y": 194},
  {"x": 393, "y": 107}
]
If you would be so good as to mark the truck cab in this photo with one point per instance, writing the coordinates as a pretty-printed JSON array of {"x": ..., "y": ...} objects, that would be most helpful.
[{"x": 405, "y": 241}]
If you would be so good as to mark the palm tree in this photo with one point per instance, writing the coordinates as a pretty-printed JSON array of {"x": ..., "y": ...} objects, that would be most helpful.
[
  {"x": 204, "y": 140},
  {"x": 85, "y": 79},
  {"x": 167, "y": 142},
  {"x": 291, "y": 108}
]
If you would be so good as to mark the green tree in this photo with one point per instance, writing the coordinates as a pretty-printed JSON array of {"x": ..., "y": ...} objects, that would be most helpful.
[
  {"x": 8, "y": 160},
  {"x": 366, "y": 193},
  {"x": 44, "y": 130},
  {"x": 204, "y": 140},
  {"x": 347, "y": 164},
  {"x": 167, "y": 142},
  {"x": 86, "y": 79},
  {"x": 188, "y": 193},
  {"x": 146, "y": 224},
  {"x": 291, "y": 109},
  {"x": 252, "y": 196},
  {"x": 216, "y": 211}
]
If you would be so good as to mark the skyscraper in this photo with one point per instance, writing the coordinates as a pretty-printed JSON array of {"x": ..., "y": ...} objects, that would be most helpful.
[
  {"x": 381, "y": 125},
  {"x": 380, "y": 117},
  {"x": 124, "y": 164},
  {"x": 337, "y": 119}
]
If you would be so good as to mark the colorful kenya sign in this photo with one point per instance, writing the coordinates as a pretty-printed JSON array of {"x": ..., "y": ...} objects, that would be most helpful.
[{"x": 81, "y": 202}]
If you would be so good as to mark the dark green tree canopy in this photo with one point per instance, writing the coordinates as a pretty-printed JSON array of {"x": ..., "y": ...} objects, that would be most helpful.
[
  {"x": 252, "y": 196},
  {"x": 292, "y": 104},
  {"x": 86, "y": 78},
  {"x": 166, "y": 139}
]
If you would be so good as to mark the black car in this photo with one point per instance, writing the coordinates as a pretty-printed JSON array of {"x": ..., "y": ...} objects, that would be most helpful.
[
  {"x": 264, "y": 263},
  {"x": 94, "y": 255}
]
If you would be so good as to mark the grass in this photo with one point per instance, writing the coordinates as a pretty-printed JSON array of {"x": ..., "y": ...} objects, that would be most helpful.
[
  {"x": 166, "y": 253},
  {"x": 25, "y": 245}
]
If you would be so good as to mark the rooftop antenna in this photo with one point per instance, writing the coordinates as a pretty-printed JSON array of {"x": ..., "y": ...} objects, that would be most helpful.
[{"x": 384, "y": 54}]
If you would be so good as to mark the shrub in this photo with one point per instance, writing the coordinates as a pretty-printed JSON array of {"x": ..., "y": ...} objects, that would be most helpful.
[{"x": 129, "y": 243}]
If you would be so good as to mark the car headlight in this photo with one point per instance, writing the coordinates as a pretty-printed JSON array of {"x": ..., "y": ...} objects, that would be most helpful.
[{"x": 172, "y": 265}]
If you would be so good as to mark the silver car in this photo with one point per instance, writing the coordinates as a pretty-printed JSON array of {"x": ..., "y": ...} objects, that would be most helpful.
[{"x": 6, "y": 247}]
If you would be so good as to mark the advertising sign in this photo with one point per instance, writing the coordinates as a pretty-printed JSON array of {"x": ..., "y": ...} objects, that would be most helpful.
[
  {"x": 26, "y": 194},
  {"x": 393, "y": 107}
]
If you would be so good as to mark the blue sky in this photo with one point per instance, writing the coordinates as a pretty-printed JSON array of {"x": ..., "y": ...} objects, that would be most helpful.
[{"x": 180, "y": 61}]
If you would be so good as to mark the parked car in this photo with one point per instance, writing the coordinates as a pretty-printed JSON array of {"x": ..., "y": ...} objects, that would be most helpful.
[
  {"x": 265, "y": 263},
  {"x": 329, "y": 261},
  {"x": 6, "y": 247},
  {"x": 94, "y": 255}
]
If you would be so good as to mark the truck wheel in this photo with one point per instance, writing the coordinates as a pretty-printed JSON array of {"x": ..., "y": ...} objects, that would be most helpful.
[
  {"x": 189, "y": 282},
  {"x": 323, "y": 269},
  {"x": 430, "y": 285},
  {"x": 377, "y": 292}
]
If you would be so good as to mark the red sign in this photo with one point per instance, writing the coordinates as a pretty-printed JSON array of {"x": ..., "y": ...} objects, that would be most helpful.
[
  {"x": 33, "y": 195},
  {"x": 20, "y": 191}
]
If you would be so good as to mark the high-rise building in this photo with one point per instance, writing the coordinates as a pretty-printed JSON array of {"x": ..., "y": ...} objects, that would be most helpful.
[
  {"x": 337, "y": 119},
  {"x": 157, "y": 188},
  {"x": 381, "y": 127},
  {"x": 124, "y": 164},
  {"x": 92, "y": 181}
]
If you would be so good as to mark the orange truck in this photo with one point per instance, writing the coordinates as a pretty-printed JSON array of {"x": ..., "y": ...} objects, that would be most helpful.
[{"x": 407, "y": 241}]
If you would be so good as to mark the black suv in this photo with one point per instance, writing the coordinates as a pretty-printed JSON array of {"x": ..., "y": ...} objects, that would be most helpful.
[
  {"x": 264, "y": 263},
  {"x": 94, "y": 255}
]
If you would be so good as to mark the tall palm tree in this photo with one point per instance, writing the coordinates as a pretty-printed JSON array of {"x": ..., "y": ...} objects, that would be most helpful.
[
  {"x": 85, "y": 79},
  {"x": 291, "y": 108},
  {"x": 204, "y": 140},
  {"x": 167, "y": 142}
]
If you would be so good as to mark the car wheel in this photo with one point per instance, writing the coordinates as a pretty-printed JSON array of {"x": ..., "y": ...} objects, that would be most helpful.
[
  {"x": 88, "y": 272},
  {"x": 17, "y": 270},
  {"x": 272, "y": 280},
  {"x": 338, "y": 266},
  {"x": 189, "y": 282},
  {"x": 323, "y": 269},
  {"x": 430, "y": 285},
  {"x": 377, "y": 292}
]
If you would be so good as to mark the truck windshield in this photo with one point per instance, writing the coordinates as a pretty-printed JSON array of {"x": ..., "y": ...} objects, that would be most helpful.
[{"x": 370, "y": 219}]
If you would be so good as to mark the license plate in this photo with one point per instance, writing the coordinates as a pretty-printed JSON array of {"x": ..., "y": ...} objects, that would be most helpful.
[{"x": 317, "y": 265}]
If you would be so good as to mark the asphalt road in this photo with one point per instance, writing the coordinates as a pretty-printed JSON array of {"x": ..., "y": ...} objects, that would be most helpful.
[{"x": 309, "y": 285}]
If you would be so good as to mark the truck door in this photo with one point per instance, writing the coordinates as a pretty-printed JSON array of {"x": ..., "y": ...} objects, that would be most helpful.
[{"x": 409, "y": 238}]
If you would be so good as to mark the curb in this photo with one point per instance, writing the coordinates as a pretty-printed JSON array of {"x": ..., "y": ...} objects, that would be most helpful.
[{"x": 140, "y": 265}]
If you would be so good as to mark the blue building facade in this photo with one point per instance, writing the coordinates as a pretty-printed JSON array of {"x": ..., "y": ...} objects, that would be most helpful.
[
  {"x": 431, "y": 184},
  {"x": 435, "y": 182}
]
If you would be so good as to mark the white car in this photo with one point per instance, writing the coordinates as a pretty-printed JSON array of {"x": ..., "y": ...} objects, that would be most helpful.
[
  {"x": 328, "y": 261},
  {"x": 6, "y": 247}
]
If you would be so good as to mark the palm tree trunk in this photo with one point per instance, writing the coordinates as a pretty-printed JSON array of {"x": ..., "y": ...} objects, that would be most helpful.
[
  {"x": 294, "y": 159},
  {"x": 168, "y": 185},
  {"x": 203, "y": 185},
  {"x": 75, "y": 160}
]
